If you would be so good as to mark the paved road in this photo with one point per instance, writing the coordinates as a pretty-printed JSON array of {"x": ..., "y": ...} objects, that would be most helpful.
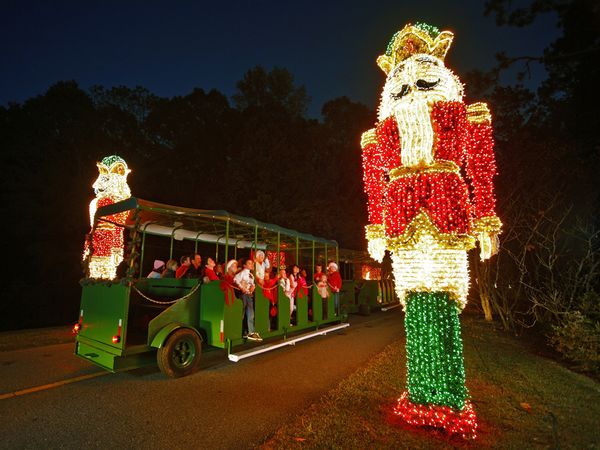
[{"x": 225, "y": 405}]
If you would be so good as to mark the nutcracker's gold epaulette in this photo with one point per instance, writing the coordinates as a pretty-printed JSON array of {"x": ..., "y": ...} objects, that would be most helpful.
[
  {"x": 375, "y": 231},
  {"x": 487, "y": 224},
  {"x": 368, "y": 137},
  {"x": 479, "y": 113}
]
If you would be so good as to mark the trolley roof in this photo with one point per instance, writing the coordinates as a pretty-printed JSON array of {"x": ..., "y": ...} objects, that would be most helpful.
[{"x": 204, "y": 225}]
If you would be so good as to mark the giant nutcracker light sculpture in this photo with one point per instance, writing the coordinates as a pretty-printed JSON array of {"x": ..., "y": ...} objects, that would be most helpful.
[
  {"x": 104, "y": 244},
  {"x": 428, "y": 175}
]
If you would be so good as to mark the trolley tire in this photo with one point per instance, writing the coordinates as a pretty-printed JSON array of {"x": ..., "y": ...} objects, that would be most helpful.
[{"x": 180, "y": 355}]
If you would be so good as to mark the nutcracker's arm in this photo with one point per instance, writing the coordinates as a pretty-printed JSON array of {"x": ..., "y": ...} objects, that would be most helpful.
[
  {"x": 92, "y": 209},
  {"x": 481, "y": 169},
  {"x": 373, "y": 175},
  {"x": 380, "y": 153}
]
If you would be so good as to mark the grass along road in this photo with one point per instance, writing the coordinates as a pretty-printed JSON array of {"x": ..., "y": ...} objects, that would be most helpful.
[{"x": 522, "y": 401}]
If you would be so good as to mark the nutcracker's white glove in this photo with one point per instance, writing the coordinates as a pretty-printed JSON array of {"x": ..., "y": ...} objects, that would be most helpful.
[
  {"x": 487, "y": 229},
  {"x": 488, "y": 245},
  {"x": 376, "y": 241},
  {"x": 376, "y": 249}
]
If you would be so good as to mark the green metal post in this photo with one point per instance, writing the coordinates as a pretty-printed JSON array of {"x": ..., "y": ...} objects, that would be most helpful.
[
  {"x": 278, "y": 251},
  {"x": 143, "y": 246},
  {"x": 196, "y": 246},
  {"x": 235, "y": 247},
  {"x": 297, "y": 251},
  {"x": 226, "y": 240},
  {"x": 172, "y": 236},
  {"x": 255, "y": 245},
  {"x": 312, "y": 269},
  {"x": 255, "y": 238}
]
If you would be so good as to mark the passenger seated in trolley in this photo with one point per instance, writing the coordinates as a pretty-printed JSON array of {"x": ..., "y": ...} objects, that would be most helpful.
[
  {"x": 261, "y": 265},
  {"x": 209, "y": 271},
  {"x": 318, "y": 273},
  {"x": 170, "y": 270},
  {"x": 302, "y": 286},
  {"x": 269, "y": 289},
  {"x": 183, "y": 268},
  {"x": 288, "y": 291},
  {"x": 195, "y": 269},
  {"x": 232, "y": 269},
  {"x": 219, "y": 270},
  {"x": 323, "y": 290},
  {"x": 157, "y": 270},
  {"x": 335, "y": 283}
]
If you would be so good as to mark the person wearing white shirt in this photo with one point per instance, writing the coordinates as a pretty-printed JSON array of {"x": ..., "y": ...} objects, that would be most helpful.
[
  {"x": 260, "y": 265},
  {"x": 288, "y": 290},
  {"x": 245, "y": 281}
]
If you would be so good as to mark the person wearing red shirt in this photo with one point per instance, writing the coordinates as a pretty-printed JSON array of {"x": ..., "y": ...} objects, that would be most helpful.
[
  {"x": 302, "y": 286},
  {"x": 209, "y": 271},
  {"x": 335, "y": 283},
  {"x": 227, "y": 284},
  {"x": 185, "y": 265},
  {"x": 267, "y": 287},
  {"x": 318, "y": 273}
]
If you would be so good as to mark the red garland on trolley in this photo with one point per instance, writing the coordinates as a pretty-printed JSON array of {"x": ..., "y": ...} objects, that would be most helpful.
[{"x": 226, "y": 286}]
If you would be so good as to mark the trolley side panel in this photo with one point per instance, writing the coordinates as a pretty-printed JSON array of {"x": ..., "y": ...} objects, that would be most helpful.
[{"x": 103, "y": 306}]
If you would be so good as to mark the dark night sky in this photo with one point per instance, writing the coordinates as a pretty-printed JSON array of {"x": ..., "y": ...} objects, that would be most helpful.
[{"x": 172, "y": 47}]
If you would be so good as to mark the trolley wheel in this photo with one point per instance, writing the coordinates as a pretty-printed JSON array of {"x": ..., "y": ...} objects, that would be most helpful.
[{"x": 180, "y": 355}]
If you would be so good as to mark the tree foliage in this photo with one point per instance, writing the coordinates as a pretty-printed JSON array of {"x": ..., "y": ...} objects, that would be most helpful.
[
  {"x": 258, "y": 156},
  {"x": 548, "y": 150}
]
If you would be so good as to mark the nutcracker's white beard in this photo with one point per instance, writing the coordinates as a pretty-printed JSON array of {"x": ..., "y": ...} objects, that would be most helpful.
[{"x": 416, "y": 132}]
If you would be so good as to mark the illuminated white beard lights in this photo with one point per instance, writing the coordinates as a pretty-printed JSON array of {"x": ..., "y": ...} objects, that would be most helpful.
[{"x": 416, "y": 133}]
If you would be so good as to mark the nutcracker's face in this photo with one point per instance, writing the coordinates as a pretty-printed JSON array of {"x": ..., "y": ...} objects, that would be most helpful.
[
  {"x": 112, "y": 181},
  {"x": 422, "y": 79}
]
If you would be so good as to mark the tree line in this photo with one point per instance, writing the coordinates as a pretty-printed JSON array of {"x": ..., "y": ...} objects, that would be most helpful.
[
  {"x": 256, "y": 154},
  {"x": 546, "y": 276}
]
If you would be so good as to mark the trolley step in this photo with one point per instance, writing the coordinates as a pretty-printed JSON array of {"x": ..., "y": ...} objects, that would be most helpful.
[{"x": 235, "y": 357}]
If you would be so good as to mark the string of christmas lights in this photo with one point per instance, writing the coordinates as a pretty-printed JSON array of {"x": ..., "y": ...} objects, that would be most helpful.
[
  {"x": 462, "y": 423},
  {"x": 106, "y": 241},
  {"x": 419, "y": 162},
  {"x": 436, "y": 373}
]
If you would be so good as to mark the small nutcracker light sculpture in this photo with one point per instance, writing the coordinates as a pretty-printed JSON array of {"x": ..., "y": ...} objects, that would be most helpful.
[
  {"x": 104, "y": 244},
  {"x": 428, "y": 169}
]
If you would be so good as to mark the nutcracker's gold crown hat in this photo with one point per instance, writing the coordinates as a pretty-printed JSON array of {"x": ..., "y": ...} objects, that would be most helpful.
[
  {"x": 113, "y": 164},
  {"x": 414, "y": 39}
]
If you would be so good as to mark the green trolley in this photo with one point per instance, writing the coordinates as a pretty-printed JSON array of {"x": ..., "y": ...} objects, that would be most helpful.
[{"x": 133, "y": 321}]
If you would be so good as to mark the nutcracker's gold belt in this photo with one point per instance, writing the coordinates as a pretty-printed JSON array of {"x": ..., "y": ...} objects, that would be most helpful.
[{"x": 437, "y": 167}]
